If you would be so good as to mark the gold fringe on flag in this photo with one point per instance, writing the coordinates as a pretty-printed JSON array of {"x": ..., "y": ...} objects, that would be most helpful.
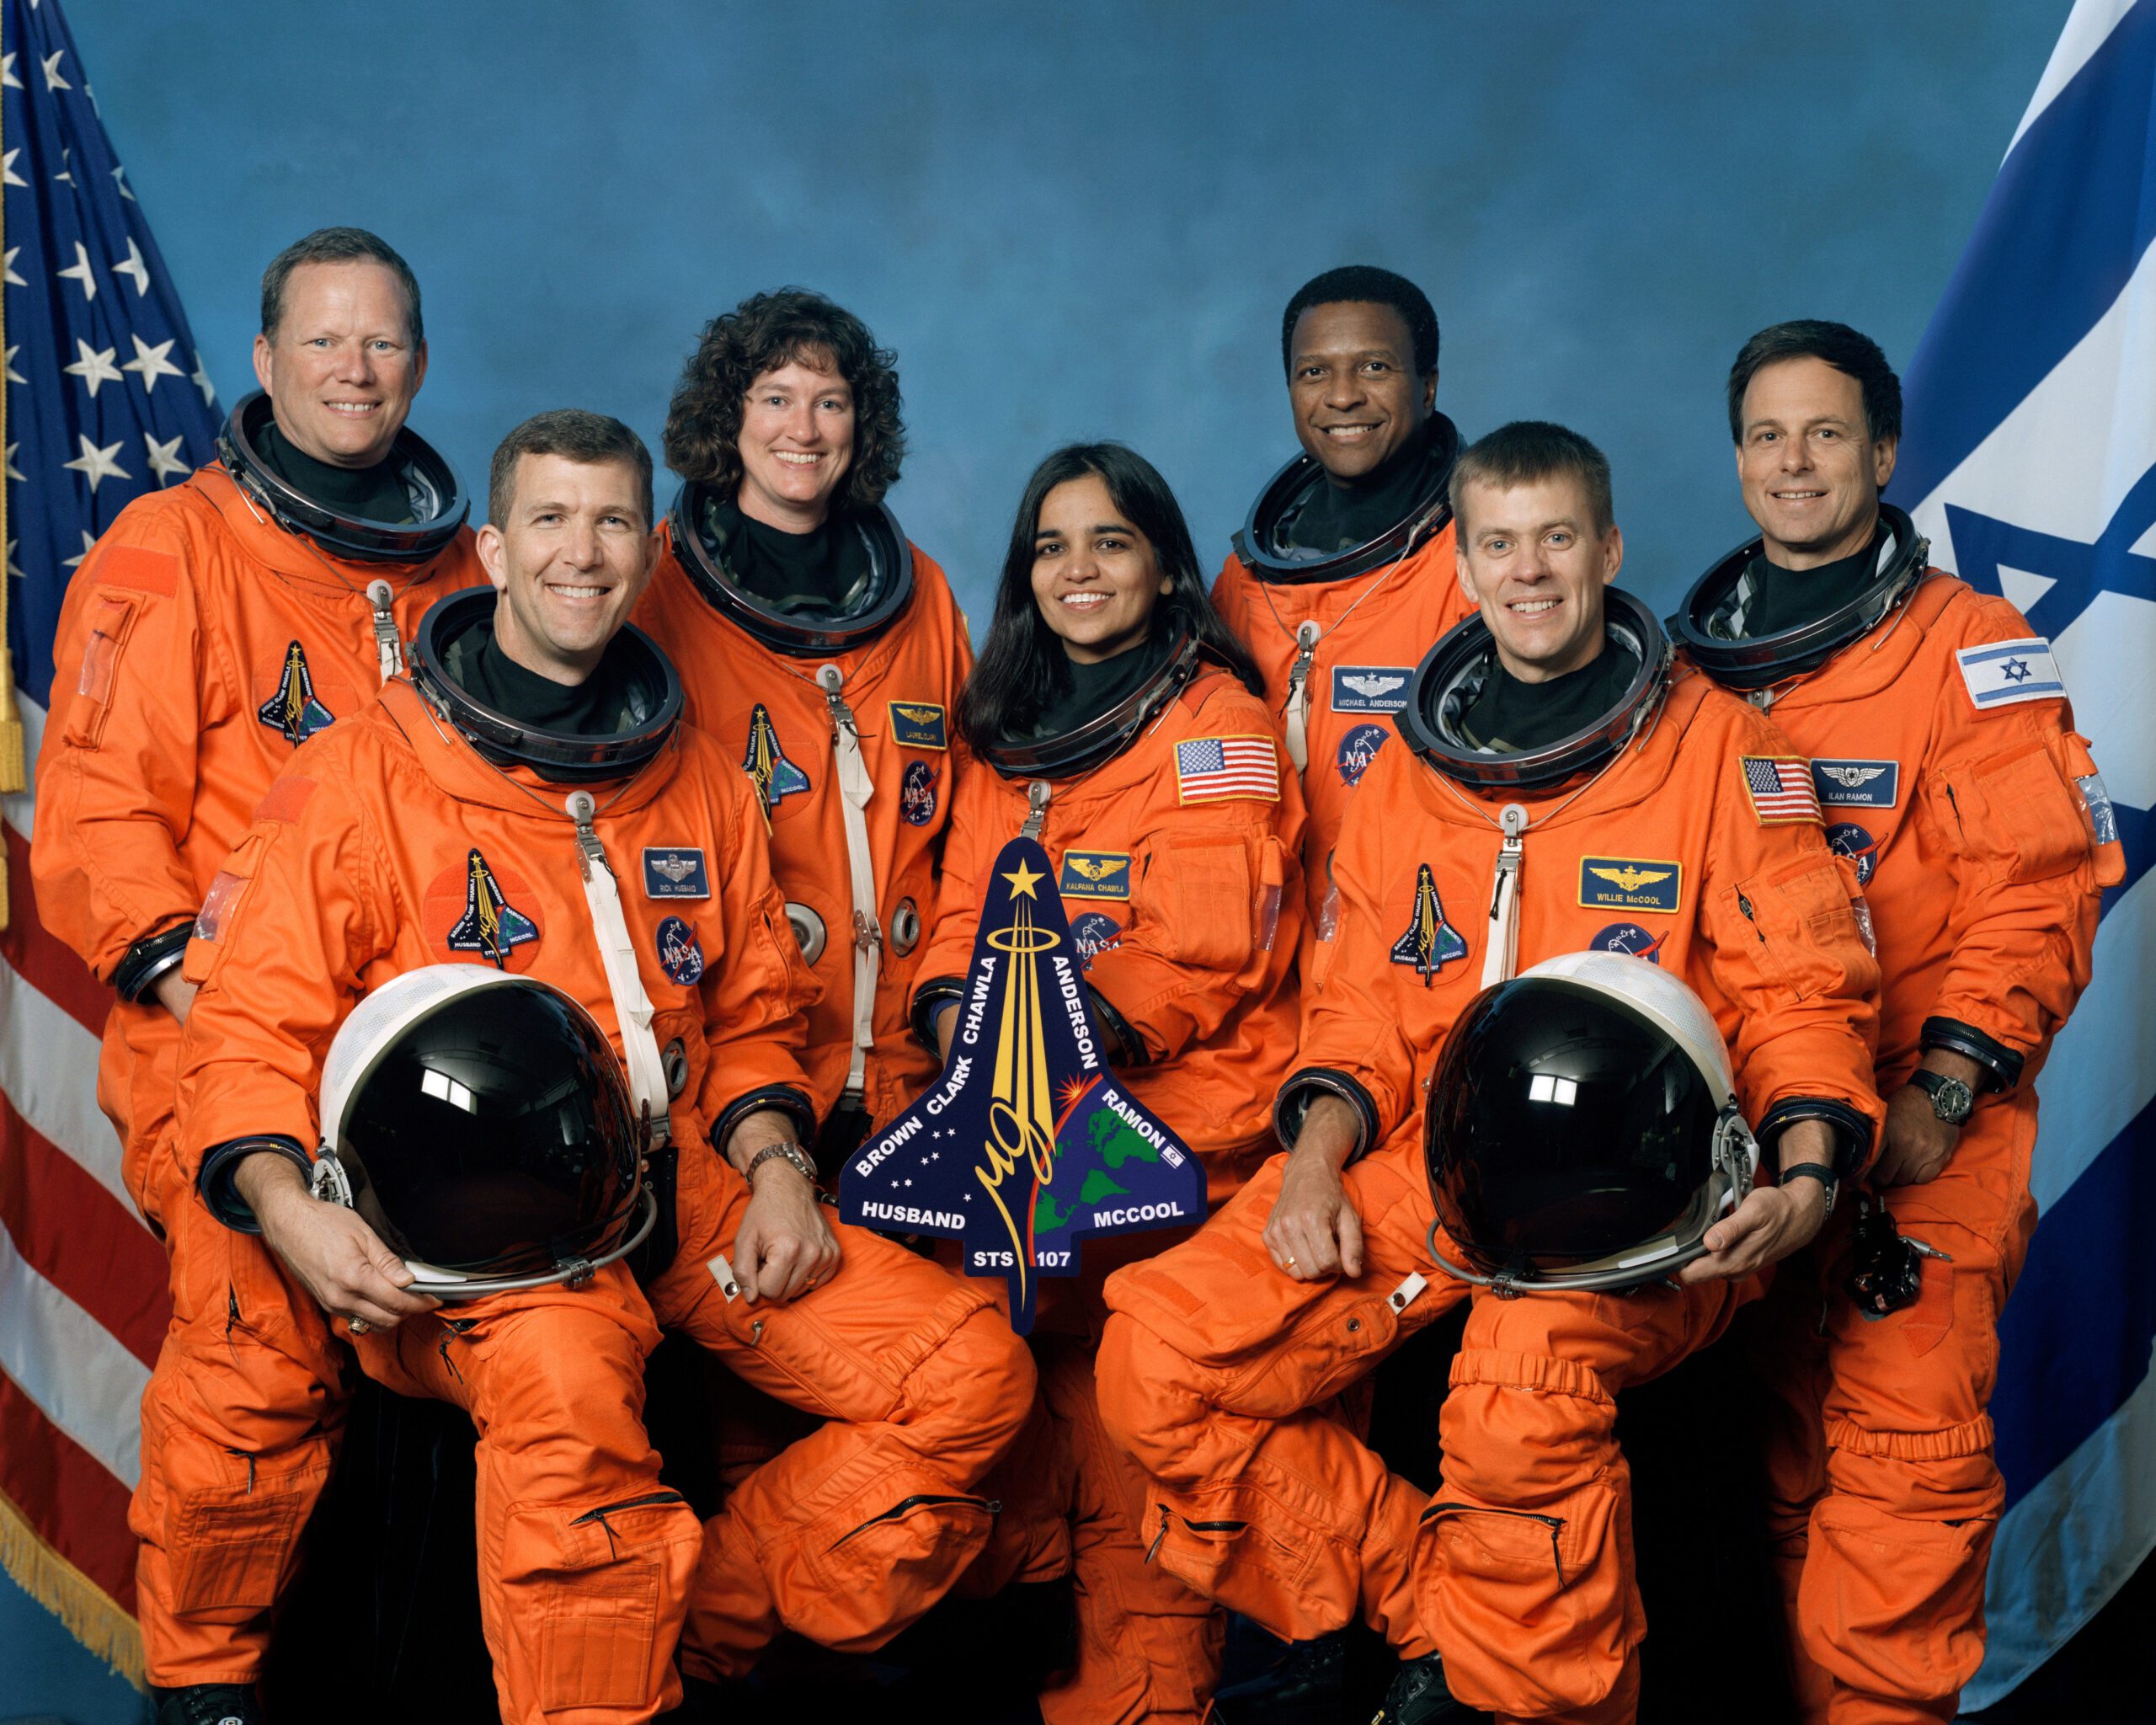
[
  {"x": 14, "y": 774},
  {"x": 87, "y": 1612}
]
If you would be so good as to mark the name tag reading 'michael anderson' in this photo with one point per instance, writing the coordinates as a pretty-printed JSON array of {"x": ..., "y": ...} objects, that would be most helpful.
[{"x": 1027, "y": 1143}]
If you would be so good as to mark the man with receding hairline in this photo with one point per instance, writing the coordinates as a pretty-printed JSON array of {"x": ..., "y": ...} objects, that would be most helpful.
[{"x": 217, "y": 625}]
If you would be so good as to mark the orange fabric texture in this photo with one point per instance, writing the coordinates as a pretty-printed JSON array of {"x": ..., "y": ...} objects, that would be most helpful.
[
  {"x": 852, "y": 1532},
  {"x": 919, "y": 662},
  {"x": 1188, "y": 913},
  {"x": 176, "y": 635},
  {"x": 1218, "y": 1360},
  {"x": 1983, "y": 880},
  {"x": 1398, "y": 612}
]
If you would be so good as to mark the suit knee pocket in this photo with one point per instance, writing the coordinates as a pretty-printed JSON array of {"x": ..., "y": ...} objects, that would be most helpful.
[
  {"x": 1546, "y": 1551},
  {"x": 234, "y": 1550},
  {"x": 597, "y": 1594}
]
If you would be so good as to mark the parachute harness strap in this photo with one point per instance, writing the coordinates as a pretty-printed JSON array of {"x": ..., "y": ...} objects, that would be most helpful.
[
  {"x": 856, "y": 787},
  {"x": 618, "y": 953},
  {"x": 1501, "y": 951},
  {"x": 1307, "y": 634}
]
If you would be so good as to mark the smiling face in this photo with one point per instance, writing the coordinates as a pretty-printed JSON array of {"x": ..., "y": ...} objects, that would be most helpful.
[
  {"x": 1096, "y": 579},
  {"x": 1352, "y": 382},
  {"x": 795, "y": 445},
  {"x": 341, "y": 370},
  {"x": 569, "y": 562},
  {"x": 1810, "y": 472},
  {"x": 1534, "y": 561}
]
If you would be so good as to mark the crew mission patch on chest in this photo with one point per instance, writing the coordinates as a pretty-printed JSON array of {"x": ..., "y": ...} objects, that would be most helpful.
[
  {"x": 1430, "y": 942},
  {"x": 1629, "y": 884},
  {"x": 918, "y": 724},
  {"x": 1857, "y": 784},
  {"x": 675, "y": 872},
  {"x": 775, "y": 777},
  {"x": 474, "y": 912},
  {"x": 294, "y": 710},
  {"x": 1095, "y": 874},
  {"x": 1370, "y": 688}
]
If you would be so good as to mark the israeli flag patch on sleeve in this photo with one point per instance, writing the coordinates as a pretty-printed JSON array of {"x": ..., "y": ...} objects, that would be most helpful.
[{"x": 2000, "y": 673}]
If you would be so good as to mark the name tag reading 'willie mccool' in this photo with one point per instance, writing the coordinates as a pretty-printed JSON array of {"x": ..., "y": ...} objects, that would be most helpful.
[{"x": 1028, "y": 1142}]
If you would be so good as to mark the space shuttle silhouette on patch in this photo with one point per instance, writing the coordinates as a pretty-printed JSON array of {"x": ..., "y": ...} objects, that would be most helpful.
[
  {"x": 1027, "y": 1143},
  {"x": 491, "y": 925},
  {"x": 293, "y": 709}
]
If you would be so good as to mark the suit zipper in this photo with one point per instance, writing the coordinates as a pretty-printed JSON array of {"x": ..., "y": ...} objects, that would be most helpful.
[
  {"x": 1555, "y": 1523},
  {"x": 905, "y": 1507}
]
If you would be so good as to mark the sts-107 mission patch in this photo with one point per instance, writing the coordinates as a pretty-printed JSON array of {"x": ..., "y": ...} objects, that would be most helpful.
[{"x": 1027, "y": 1143}]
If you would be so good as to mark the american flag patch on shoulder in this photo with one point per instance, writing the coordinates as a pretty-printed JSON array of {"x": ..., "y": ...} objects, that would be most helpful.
[
  {"x": 1781, "y": 790},
  {"x": 1208, "y": 769}
]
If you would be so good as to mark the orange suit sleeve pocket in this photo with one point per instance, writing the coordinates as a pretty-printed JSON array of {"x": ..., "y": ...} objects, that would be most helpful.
[
  {"x": 219, "y": 905},
  {"x": 1205, "y": 898},
  {"x": 2019, "y": 819},
  {"x": 112, "y": 621},
  {"x": 1799, "y": 919}
]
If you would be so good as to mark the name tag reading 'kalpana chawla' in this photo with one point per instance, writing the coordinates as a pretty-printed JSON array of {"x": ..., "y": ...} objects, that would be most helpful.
[{"x": 1027, "y": 1143}]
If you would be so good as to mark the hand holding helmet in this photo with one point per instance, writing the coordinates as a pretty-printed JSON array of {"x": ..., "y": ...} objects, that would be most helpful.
[
  {"x": 337, "y": 1256},
  {"x": 1772, "y": 1221}
]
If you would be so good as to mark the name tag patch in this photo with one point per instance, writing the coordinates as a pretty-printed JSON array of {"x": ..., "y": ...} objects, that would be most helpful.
[
  {"x": 918, "y": 724},
  {"x": 1629, "y": 884},
  {"x": 675, "y": 874},
  {"x": 2009, "y": 671},
  {"x": 1370, "y": 688},
  {"x": 1857, "y": 784},
  {"x": 1095, "y": 874}
]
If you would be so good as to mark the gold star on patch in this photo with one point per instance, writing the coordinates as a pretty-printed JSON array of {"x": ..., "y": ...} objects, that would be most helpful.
[{"x": 1023, "y": 881}]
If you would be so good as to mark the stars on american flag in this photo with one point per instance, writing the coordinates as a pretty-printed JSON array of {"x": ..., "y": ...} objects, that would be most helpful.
[
  {"x": 76, "y": 561},
  {"x": 80, "y": 271},
  {"x": 151, "y": 361},
  {"x": 9, "y": 176},
  {"x": 53, "y": 81},
  {"x": 135, "y": 267},
  {"x": 95, "y": 367},
  {"x": 8, "y": 81},
  {"x": 200, "y": 380},
  {"x": 97, "y": 465},
  {"x": 8, "y": 266},
  {"x": 165, "y": 459}
]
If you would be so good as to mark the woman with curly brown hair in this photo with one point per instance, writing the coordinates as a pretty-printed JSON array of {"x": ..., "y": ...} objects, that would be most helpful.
[{"x": 816, "y": 640}]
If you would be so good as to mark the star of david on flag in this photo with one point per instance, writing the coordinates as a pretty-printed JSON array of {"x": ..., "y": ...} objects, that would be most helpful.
[{"x": 2028, "y": 458}]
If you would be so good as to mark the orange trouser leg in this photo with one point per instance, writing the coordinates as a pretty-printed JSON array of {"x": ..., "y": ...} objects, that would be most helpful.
[
  {"x": 1148, "y": 1648},
  {"x": 1211, "y": 1368},
  {"x": 1524, "y": 1562},
  {"x": 1891, "y": 1601},
  {"x": 853, "y": 1531},
  {"x": 239, "y": 1429},
  {"x": 1786, "y": 1344},
  {"x": 585, "y": 1558}
]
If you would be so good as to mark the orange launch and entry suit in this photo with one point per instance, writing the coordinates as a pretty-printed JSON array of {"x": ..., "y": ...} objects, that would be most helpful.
[
  {"x": 394, "y": 844},
  {"x": 1215, "y": 1362},
  {"x": 206, "y": 642},
  {"x": 896, "y": 695},
  {"x": 1370, "y": 631},
  {"x": 1184, "y": 902},
  {"x": 1973, "y": 838}
]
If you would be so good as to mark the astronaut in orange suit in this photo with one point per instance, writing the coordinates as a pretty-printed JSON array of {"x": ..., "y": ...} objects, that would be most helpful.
[
  {"x": 532, "y": 773},
  {"x": 214, "y": 628},
  {"x": 1147, "y": 767},
  {"x": 1554, "y": 788},
  {"x": 1943, "y": 751},
  {"x": 1342, "y": 576},
  {"x": 825, "y": 652}
]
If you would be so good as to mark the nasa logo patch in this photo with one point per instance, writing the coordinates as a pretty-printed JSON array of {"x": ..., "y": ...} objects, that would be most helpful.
[
  {"x": 917, "y": 793},
  {"x": 1857, "y": 784},
  {"x": 1630, "y": 939},
  {"x": 1094, "y": 932},
  {"x": 1370, "y": 688},
  {"x": 479, "y": 912},
  {"x": 1358, "y": 749},
  {"x": 1845, "y": 838},
  {"x": 671, "y": 873},
  {"x": 680, "y": 953}
]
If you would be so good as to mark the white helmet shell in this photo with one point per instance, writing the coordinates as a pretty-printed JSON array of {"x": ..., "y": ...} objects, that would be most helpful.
[{"x": 1651, "y": 990}]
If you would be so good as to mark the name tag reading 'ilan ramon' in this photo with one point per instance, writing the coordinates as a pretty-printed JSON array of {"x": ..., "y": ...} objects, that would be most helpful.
[{"x": 1026, "y": 1143}]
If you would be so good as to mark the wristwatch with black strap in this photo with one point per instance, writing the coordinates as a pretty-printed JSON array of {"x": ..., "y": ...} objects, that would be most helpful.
[{"x": 1951, "y": 1100}]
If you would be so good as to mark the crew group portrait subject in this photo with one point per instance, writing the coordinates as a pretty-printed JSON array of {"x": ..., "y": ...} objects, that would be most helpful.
[{"x": 517, "y": 931}]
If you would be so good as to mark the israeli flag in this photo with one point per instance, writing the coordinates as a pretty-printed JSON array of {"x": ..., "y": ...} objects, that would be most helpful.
[{"x": 2029, "y": 458}]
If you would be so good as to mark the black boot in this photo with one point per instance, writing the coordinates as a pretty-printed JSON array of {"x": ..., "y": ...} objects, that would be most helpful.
[
  {"x": 207, "y": 1704},
  {"x": 1307, "y": 1685},
  {"x": 1418, "y": 1696}
]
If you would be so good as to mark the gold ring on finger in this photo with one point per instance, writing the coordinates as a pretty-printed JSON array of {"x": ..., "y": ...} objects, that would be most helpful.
[{"x": 358, "y": 1326}]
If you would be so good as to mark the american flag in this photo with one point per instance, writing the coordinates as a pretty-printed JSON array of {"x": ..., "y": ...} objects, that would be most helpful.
[
  {"x": 106, "y": 398},
  {"x": 1210, "y": 768},
  {"x": 1781, "y": 790}
]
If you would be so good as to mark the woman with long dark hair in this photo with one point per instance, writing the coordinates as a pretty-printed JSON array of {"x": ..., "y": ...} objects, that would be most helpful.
[{"x": 1113, "y": 717}]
